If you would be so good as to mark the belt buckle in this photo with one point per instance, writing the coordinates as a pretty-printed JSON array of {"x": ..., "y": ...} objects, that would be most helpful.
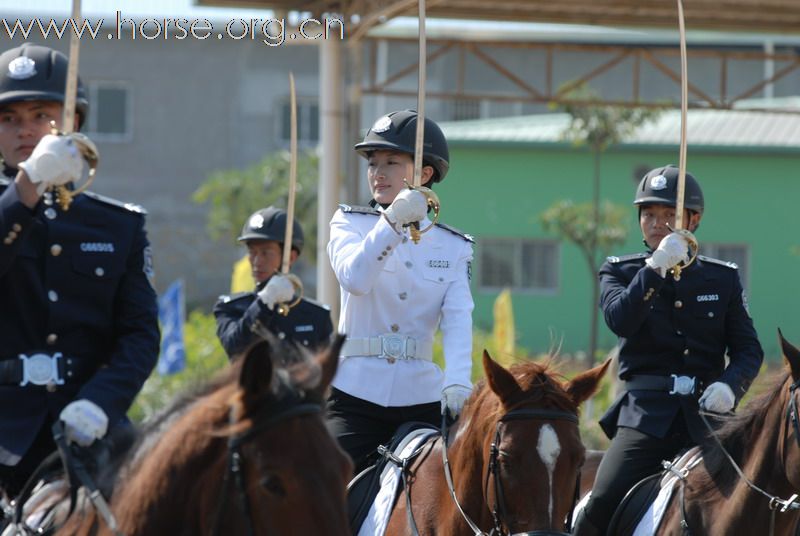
[
  {"x": 682, "y": 385},
  {"x": 393, "y": 347},
  {"x": 40, "y": 369}
]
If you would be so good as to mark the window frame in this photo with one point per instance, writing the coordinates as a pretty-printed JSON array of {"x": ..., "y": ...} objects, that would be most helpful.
[
  {"x": 518, "y": 243},
  {"x": 90, "y": 125}
]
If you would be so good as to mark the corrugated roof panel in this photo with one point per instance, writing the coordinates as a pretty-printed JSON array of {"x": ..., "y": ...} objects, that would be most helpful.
[{"x": 716, "y": 128}]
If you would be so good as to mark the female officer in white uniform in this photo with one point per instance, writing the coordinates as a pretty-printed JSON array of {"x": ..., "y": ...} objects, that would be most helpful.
[{"x": 394, "y": 295}]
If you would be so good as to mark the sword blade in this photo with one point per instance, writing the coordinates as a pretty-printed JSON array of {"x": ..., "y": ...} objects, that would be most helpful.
[
  {"x": 679, "y": 201},
  {"x": 71, "y": 90},
  {"x": 287, "y": 242},
  {"x": 420, "y": 138}
]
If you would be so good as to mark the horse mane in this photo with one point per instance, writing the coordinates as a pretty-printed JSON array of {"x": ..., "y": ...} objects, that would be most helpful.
[
  {"x": 737, "y": 434},
  {"x": 540, "y": 384},
  {"x": 295, "y": 374}
]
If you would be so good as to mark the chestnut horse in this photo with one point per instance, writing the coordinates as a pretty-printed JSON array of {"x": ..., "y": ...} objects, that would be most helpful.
[
  {"x": 749, "y": 476},
  {"x": 248, "y": 455},
  {"x": 515, "y": 458}
]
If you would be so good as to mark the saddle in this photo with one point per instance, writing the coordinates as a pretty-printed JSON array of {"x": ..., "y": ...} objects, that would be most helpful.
[
  {"x": 364, "y": 488},
  {"x": 641, "y": 510}
]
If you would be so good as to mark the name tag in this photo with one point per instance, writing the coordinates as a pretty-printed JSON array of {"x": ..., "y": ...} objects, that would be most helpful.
[
  {"x": 708, "y": 297},
  {"x": 439, "y": 264},
  {"x": 97, "y": 247},
  {"x": 302, "y": 329}
]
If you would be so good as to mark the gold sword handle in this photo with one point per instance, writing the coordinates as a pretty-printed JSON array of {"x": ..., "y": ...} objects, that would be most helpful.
[
  {"x": 284, "y": 307},
  {"x": 433, "y": 203}
]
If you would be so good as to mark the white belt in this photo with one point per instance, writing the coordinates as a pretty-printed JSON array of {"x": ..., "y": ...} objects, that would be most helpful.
[{"x": 390, "y": 346}]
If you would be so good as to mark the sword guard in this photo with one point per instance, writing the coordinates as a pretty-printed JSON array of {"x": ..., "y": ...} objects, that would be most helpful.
[
  {"x": 433, "y": 204},
  {"x": 694, "y": 249},
  {"x": 89, "y": 152},
  {"x": 284, "y": 308}
]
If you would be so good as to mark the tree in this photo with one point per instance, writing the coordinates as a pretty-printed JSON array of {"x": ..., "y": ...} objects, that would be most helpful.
[
  {"x": 234, "y": 194},
  {"x": 594, "y": 229}
]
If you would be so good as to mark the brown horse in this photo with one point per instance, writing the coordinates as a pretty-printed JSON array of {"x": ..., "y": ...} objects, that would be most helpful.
[
  {"x": 763, "y": 442},
  {"x": 515, "y": 457},
  {"x": 248, "y": 455}
]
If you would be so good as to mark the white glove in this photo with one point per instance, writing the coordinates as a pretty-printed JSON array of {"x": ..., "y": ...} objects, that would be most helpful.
[
  {"x": 55, "y": 160},
  {"x": 673, "y": 249},
  {"x": 453, "y": 398},
  {"x": 718, "y": 397},
  {"x": 84, "y": 421},
  {"x": 409, "y": 206},
  {"x": 277, "y": 290}
]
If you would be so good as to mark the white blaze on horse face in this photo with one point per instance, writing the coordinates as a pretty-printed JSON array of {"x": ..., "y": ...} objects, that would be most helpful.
[{"x": 549, "y": 448}]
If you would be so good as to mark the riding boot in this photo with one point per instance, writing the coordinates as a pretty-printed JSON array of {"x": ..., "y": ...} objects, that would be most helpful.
[{"x": 584, "y": 527}]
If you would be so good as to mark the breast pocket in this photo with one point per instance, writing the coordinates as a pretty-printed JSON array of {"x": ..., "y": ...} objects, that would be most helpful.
[
  {"x": 710, "y": 317},
  {"x": 101, "y": 269},
  {"x": 440, "y": 271}
]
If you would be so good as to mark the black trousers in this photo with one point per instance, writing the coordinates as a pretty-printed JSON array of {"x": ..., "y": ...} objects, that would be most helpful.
[
  {"x": 632, "y": 456},
  {"x": 13, "y": 477},
  {"x": 362, "y": 426}
]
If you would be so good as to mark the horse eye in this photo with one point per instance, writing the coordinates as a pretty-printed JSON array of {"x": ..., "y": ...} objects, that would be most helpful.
[{"x": 273, "y": 484}]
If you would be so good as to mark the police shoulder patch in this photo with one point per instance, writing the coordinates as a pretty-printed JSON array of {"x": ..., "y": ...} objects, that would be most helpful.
[
  {"x": 626, "y": 258},
  {"x": 465, "y": 236},
  {"x": 132, "y": 207},
  {"x": 349, "y": 209},
  {"x": 712, "y": 260}
]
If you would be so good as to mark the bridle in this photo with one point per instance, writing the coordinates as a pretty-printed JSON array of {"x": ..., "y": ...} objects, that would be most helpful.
[
  {"x": 776, "y": 504},
  {"x": 283, "y": 410},
  {"x": 498, "y": 510}
]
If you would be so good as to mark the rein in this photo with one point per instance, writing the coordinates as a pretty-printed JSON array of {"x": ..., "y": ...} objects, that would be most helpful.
[
  {"x": 499, "y": 511},
  {"x": 776, "y": 504},
  {"x": 235, "y": 474}
]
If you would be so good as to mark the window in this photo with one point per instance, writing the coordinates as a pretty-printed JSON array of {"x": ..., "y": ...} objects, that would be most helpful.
[
  {"x": 307, "y": 122},
  {"x": 737, "y": 253},
  {"x": 523, "y": 265},
  {"x": 109, "y": 111},
  {"x": 465, "y": 109}
]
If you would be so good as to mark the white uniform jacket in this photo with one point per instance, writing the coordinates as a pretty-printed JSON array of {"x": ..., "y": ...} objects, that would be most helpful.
[{"x": 389, "y": 285}]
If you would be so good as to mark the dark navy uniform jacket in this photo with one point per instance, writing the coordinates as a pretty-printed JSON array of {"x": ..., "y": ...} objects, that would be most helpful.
[
  {"x": 76, "y": 282},
  {"x": 683, "y": 328},
  {"x": 238, "y": 315}
]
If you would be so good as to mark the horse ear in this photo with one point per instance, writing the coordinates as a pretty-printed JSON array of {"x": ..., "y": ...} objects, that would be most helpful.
[
  {"x": 791, "y": 354},
  {"x": 586, "y": 383},
  {"x": 328, "y": 361},
  {"x": 500, "y": 380},
  {"x": 255, "y": 377}
]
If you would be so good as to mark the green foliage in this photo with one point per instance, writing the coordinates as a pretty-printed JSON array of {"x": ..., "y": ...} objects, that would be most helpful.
[
  {"x": 234, "y": 194},
  {"x": 575, "y": 223},
  {"x": 204, "y": 357}
]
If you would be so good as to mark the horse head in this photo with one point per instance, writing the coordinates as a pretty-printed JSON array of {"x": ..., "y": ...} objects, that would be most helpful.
[
  {"x": 791, "y": 450},
  {"x": 293, "y": 473},
  {"x": 534, "y": 455}
]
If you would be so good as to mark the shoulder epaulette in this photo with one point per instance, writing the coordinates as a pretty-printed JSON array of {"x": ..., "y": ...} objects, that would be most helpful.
[
  {"x": 465, "y": 236},
  {"x": 626, "y": 258},
  {"x": 318, "y": 304},
  {"x": 132, "y": 207},
  {"x": 228, "y": 298},
  {"x": 358, "y": 210},
  {"x": 712, "y": 260}
]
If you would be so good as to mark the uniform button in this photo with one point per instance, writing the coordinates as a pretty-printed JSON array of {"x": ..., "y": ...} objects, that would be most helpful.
[
  {"x": 50, "y": 213},
  {"x": 52, "y": 295},
  {"x": 7, "y": 241},
  {"x": 380, "y": 258},
  {"x": 409, "y": 264},
  {"x": 52, "y": 338},
  {"x": 403, "y": 295},
  {"x": 12, "y": 235},
  {"x": 55, "y": 250},
  {"x": 16, "y": 227},
  {"x": 51, "y": 387},
  {"x": 441, "y": 279},
  {"x": 395, "y": 328},
  {"x": 99, "y": 272},
  {"x": 686, "y": 352},
  {"x": 678, "y": 304},
  {"x": 679, "y": 332},
  {"x": 388, "y": 248},
  {"x": 281, "y": 335},
  {"x": 305, "y": 342},
  {"x": 710, "y": 315}
]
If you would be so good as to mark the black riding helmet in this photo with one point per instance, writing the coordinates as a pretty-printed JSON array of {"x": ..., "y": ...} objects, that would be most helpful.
[
  {"x": 660, "y": 187},
  {"x": 270, "y": 224},
  {"x": 33, "y": 72},
  {"x": 397, "y": 131}
]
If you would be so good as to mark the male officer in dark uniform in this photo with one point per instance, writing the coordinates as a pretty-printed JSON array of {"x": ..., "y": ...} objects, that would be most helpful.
[
  {"x": 239, "y": 316},
  {"x": 673, "y": 337},
  {"x": 79, "y": 331}
]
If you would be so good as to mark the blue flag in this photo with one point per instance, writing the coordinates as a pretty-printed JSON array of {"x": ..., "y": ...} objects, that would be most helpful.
[{"x": 171, "y": 314}]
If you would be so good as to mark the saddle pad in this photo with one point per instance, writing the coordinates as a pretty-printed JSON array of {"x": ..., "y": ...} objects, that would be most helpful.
[{"x": 378, "y": 516}]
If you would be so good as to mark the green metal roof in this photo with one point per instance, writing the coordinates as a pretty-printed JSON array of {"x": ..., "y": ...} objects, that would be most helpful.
[{"x": 713, "y": 129}]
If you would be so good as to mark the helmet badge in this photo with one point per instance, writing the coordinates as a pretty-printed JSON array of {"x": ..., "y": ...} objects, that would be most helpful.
[
  {"x": 21, "y": 68},
  {"x": 382, "y": 125},
  {"x": 256, "y": 221},
  {"x": 659, "y": 182}
]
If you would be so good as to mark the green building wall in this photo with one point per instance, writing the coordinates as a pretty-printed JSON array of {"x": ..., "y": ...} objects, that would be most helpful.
[{"x": 500, "y": 189}]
